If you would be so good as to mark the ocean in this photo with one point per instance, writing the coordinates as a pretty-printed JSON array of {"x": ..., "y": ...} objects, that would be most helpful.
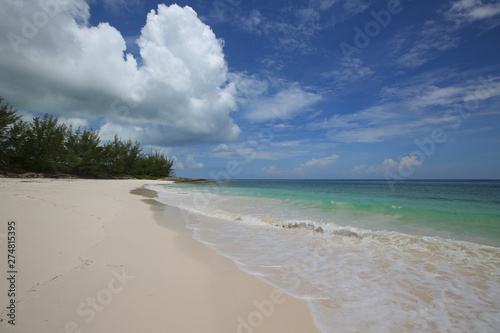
[{"x": 416, "y": 256}]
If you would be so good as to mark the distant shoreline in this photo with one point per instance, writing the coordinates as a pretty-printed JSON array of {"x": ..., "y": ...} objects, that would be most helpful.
[{"x": 180, "y": 180}]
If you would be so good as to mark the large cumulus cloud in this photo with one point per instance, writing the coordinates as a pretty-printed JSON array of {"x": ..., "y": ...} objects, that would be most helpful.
[{"x": 52, "y": 60}]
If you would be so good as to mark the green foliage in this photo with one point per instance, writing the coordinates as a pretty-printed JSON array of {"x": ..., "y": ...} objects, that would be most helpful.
[
  {"x": 157, "y": 164},
  {"x": 8, "y": 120},
  {"x": 123, "y": 156},
  {"x": 46, "y": 146},
  {"x": 84, "y": 155},
  {"x": 8, "y": 117},
  {"x": 13, "y": 157}
]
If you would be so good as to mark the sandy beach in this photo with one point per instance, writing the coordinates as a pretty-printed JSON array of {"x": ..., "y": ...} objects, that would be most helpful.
[{"x": 103, "y": 256}]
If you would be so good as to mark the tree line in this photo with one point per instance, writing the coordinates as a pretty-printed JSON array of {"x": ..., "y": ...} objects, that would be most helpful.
[{"x": 45, "y": 145}]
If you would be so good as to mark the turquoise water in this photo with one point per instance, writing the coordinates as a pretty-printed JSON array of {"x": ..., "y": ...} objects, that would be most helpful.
[
  {"x": 461, "y": 210},
  {"x": 421, "y": 256}
]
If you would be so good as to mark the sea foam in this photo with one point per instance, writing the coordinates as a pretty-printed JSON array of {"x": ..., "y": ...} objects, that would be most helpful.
[{"x": 353, "y": 278}]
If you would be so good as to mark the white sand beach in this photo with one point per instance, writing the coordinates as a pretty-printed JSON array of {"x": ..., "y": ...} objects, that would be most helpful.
[{"x": 93, "y": 257}]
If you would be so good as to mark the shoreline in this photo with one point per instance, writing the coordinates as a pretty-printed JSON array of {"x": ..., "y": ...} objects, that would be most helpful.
[
  {"x": 38, "y": 175},
  {"x": 94, "y": 257},
  {"x": 356, "y": 278}
]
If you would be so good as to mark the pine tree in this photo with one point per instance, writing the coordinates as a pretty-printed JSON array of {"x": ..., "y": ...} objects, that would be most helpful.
[
  {"x": 10, "y": 133},
  {"x": 157, "y": 164},
  {"x": 44, "y": 144},
  {"x": 84, "y": 153}
]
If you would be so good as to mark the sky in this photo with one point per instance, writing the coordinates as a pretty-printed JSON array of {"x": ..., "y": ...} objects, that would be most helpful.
[{"x": 329, "y": 89}]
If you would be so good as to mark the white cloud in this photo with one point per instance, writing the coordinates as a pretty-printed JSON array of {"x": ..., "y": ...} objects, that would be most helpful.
[
  {"x": 348, "y": 72},
  {"x": 302, "y": 169},
  {"x": 369, "y": 135},
  {"x": 388, "y": 166},
  {"x": 419, "y": 99},
  {"x": 286, "y": 144},
  {"x": 109, "y": 130},
  {"x": 249, "y": 87},
  {"x": 266, "y": 98},
  {"x": 192, "y": 164},
  {"x": 485, "y": 12},
  {"x": 259, "y": 150},
  {"x": 422, "y": 94},
  {"x": 358, "y": 169},
  {"x": 292, "y": 32},
  {"x": 273, "y": 171},
  {"x": 285, "y": 104},
  {"x": 432, "y": 37},
  {"x": 354, "y": 7},
  {"x": 75, "y": 122},
  {"x": 468, "y": 11},
  {"x": 461, "y": 5},
  {"x": 373, "y": 124},
  {"x": 188, "y": 162},
  {"x": 253, "y": 22},
  {"x": 322, "y": 162},
  {"x": 323, "y": 4},
  {"x": 180, "y": 95},
  {"x": 420, "y": 44}
]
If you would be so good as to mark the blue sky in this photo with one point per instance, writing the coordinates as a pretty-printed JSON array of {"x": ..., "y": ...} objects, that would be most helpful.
[{"x": 269, "y": 89}]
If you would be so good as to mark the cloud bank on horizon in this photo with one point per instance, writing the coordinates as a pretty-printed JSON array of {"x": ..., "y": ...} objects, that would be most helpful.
[{"x": 315, "y": 88}]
